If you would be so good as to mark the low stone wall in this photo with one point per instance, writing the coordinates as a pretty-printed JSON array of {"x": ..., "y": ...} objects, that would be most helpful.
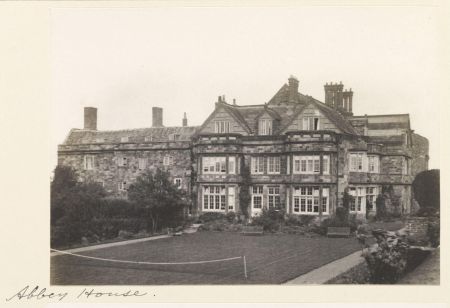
[{"x": 417, "y": 227}]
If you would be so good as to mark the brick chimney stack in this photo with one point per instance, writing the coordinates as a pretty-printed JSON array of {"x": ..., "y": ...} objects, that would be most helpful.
[
  {"x": 293, "y": 88},
  {"x": 185, "y": 123},
  {"x": 157, "y": 117},
  {"x": 90, "y": 118}
]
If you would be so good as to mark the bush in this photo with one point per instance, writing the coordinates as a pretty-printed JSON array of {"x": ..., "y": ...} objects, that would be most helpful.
[
  {"x": 387, "y": 261},
  {"x": 342, "y": 214},
  {"x": 298, "y": 220},
  {"x": 210, "y": 216},
  {"x": 231, "y": 216},
  {"x": 427, "y": 212},
  {"x": 433, "y": 233},
  {"x": 426, "y": 187},
  {"x": 381, "y": 207},
  {"x": 270, "y": 219}
]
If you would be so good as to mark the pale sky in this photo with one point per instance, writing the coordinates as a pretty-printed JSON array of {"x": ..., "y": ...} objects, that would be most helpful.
[{"x": 124, "y": 61}]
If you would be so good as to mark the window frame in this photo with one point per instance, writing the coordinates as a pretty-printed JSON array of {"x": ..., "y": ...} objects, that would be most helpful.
[
  {"x": 273, "y": 165},
  {"x": 306, "y": 164},
  {"x": 265, "y": 127},
  {"x": 222, "y": 127},
  {"x": 216, "y": 196},
  {"x": 257, "y": 165},
  {"x": 89, "y": 162},
  {"x": 214, "y": 165}
]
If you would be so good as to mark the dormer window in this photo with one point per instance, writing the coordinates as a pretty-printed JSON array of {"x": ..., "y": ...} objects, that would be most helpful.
[
  {"x": 148, "y": 139},
  {"x": 173, "y": 137},
  {"x": 311, "y": 123},
  {"x": 124, "y": 139},
  {"x": 265, "y": 127},
  {"x": 222, "y": 127}
]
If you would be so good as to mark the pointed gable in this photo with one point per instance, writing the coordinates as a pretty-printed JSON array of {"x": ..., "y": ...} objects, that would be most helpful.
[
  {"x": 225, "y": 113},
  {"x": 327, "y": 120}
]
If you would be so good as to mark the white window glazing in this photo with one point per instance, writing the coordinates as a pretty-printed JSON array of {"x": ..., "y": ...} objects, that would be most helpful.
[
  {"x": 257, "y": 165},
  {"x": 273, "y": 196},
  {"x": 265, "y": 127},
  {"x": 89, "y": 162},
  {"x": 142, "y": 163},
  {"x": 273, "y": 164},
  {"x": 257, "y": 197},
  {"x": 231, "y": 198},
  {"x": 214, "y": 164},
  {"x": 222, "y": 127},
  {"x": 214, "y": 198},
  {"x": 232, "y": 165},
  {"x": 311, "y": 123},
  {"x": 168, "y": 160}
]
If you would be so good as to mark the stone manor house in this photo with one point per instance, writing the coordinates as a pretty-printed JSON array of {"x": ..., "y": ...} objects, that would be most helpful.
[{"x": 301, "y": 153}]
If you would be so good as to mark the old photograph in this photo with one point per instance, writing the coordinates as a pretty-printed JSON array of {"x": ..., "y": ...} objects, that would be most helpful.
[{"x": 240, "y": 146}]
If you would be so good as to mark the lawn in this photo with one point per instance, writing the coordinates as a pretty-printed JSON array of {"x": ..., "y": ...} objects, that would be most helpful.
[{"x": 271, "y": 259}]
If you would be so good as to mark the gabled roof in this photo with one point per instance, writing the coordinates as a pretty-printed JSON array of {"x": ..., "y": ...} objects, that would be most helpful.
[
  {"x": 157, "y": 134},
  {"x": 285, "y": 108}
]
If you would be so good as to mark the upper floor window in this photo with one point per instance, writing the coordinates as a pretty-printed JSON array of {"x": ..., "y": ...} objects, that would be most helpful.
[
  {"x": 142, "y": 163},
  {"x": 122, "y": 161},
  {"x": 265, "y": 127},
  {"x": 214, "y": 165},
  {"x": 373, "y": 163},
  {"x": 257, "y": 165},
  {"x": 273, "y": 164},
  {"x": 232, "y": 165},
  {"x": 357, "y": 162},
  {"x": 307, "y": 164},
  {"x": 326, "y": 164},
  {"x": 177, "y": 182},
  {"x": 222, "y": 127},
  {"x": 174, "y": 137},
  {"x": 124, "y": 139},
  {"x": 311, "y": 123},
  {"x": 88, "y": 162},
  {"x": 148, "y": 139},
  {"x": 168, "y": 160}
]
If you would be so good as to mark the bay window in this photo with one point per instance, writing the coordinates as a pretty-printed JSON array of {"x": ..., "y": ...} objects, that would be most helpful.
[
  {"x": 214, "y": 165},
  {"x": 214, "y": 198}
]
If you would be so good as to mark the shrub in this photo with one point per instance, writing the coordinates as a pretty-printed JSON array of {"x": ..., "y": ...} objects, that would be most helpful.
[
  {"x": 426, "y": 187},
  {"x": 270, "y": 219},
  {"x": 298, "y": 220},
  {"x": 433, "y": 233},
  {"x": 381, "y": 207},
  {"x": 427, "y": 212},
  {"x": 388, "y": 260},
  {"x": 231, "y": 216},
  {"x": 210, "y": 216},
  {"x": 342, "y": 214}
]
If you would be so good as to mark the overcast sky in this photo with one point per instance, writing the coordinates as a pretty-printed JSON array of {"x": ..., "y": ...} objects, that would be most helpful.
[{"x": 124, "y": 61}]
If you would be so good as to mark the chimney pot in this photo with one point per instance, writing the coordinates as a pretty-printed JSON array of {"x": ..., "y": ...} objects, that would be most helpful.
[
  {"x": 157, "y": 117},
  {"x": 185, "y": 122},
  {"x": 90, "y": 118}
]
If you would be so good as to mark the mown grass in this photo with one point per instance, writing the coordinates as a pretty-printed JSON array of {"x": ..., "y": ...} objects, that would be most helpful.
[{"x": 271, "y": 259}]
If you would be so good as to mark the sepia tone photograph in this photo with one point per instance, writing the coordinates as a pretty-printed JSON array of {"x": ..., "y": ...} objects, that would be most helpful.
[{"x": 240, "y": 146}]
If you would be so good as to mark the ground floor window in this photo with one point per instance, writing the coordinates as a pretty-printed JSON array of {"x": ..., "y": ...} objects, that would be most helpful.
[
  {"x": 214, "y": 198},
  {"x": 274, "y": 197},
  {"x": 307, "y": 200},
  {"x": 257, "y": 197},
  {"x": 364, "y": 198},
  {"x": 231, "y": 198}
]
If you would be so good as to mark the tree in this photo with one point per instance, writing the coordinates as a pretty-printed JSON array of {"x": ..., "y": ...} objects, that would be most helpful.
[
  {"x": 72, "y": 206},
  {"x": 158, "y": 198},
  {"x": 426, "y": 186}
]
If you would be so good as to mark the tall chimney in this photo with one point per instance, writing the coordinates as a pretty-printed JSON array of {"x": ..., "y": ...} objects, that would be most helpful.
[
  {"x": 185, "y": 120},
  {"x": 90, "y": 118},
  {"x": 293, "y": 88},
  {"x": 157, "y": 117}
]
